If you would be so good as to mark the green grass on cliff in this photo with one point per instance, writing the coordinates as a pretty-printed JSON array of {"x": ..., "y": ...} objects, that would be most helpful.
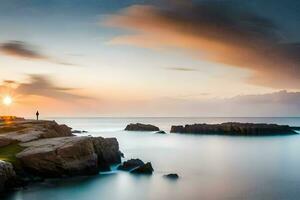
[{"x": 8, "y": 153}]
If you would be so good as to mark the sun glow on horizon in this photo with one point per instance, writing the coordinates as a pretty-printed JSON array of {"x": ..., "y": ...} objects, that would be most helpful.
[{"x": 7, "y": 100}]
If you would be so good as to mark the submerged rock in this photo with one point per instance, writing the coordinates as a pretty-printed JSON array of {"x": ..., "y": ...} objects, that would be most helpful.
[
  {"x": 161, "y": 132},
  {"x": 235, "y": 128},
  {"x": 131, "y": 164},
  {"x": 69, "y": 156},
  {"x": 144, "y": 169},
  {"x": 141, "y": 127},
  {"x": 7, "y": 176},
  {"x": 78, "y": 131},
  {"x": 171, "y": 176}
]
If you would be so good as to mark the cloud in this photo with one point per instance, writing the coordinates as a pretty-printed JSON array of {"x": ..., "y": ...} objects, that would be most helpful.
[
  {"x": 217, "y": 31},
  {"x": 22, "y": 49},
  {"x": 40, "y": 85},
  {"x": 183, "y": 69},
  {"x": 276, "y": 104}
]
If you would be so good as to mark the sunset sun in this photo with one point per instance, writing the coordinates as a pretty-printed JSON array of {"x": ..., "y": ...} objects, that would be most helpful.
[{"x": 7, "y": 100}]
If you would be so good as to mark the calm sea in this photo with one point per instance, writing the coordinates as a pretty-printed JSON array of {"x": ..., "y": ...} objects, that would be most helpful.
[{"x": 210, "y": 167}]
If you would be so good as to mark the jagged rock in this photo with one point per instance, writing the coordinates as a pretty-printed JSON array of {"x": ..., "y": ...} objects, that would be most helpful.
[
  {"x": 161, "y": 132},
  {"x": 7, "y": 176},
  {"x": 107, "y": 150},
  {"x": 235, "y": 128},
  {"x": 69, "y": 156},
  {"x": 171, "y": 176},
  {"x": 141, "y": 127},
  {"x": 131, "y": 164},
  {"x": 144, "y": 169}
]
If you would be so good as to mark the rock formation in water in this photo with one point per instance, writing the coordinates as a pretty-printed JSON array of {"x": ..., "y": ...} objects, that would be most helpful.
[
  {"x": 68, "y": 156},
  {"x": 144, "y": 169},
  {"x": 171, "y": 176},
  {"x": 46, "y": 149},
  {"x": 131, "y": 164},
  {"x": 235, "y": 128},
  {"x": 7, "y": 175},
  {"x": 141, "y": 127},
  {"x": 161, "y": 132}
]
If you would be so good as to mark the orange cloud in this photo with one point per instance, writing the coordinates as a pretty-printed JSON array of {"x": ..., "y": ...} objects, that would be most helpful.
[{"x": 218, "y": 32}]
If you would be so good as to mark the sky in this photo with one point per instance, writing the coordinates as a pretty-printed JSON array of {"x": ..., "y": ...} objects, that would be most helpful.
[{"x": 136, "y": 58}]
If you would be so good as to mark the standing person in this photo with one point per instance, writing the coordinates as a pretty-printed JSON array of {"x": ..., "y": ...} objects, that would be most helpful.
[{"x": 37, "y": 115}]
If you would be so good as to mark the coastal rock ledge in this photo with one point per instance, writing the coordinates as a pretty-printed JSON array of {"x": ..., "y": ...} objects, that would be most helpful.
[
  {"x": 235, "y": 128},
  {"x": 69, "y": 156},
  {"x": 141, "y": 127}
]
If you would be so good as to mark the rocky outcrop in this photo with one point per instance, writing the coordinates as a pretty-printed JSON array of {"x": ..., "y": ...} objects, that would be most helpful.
[
  {"x": 161, "y": 132},
  {"x": 141, "y": 127},
  {"x": 107, "y": 150},
  {"x": 78, "y": 131},
  {"x": 131, "y": 164},
  {"x": 234, "y": 128},
  {"x": 144, "y": 169},
  {"x": 43, "y": 149},
  {"x": 25, "y": 131},
  {"x": 171, "y": 176},
  {"x": 69, "y": 156},
  {"x": 7, "y": 175}
]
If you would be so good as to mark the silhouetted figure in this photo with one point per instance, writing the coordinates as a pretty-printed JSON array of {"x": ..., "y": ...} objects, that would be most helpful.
[{"x": 37, "y": 115}]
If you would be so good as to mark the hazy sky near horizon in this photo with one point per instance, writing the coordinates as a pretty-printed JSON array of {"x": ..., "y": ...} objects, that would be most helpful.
[{"x": 151, "y": 58}]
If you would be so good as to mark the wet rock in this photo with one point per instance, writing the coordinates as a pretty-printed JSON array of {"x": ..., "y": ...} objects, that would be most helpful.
[
  {"x": 7, "y": 176},
  {"x": 69, "y": 156},
  {"x": 131, "y": 164},
  {"x": 235, "y": 128},
  {"x": 144, "y": 169},
  {"x": 78, "y": 131},
  {"x": 161, "y": 132},
  {"x": 141, "y": 127},
  {"x": 171, "y": 176}
]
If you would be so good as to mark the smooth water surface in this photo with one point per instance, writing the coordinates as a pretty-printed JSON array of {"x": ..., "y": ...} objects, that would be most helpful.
[{"x": 210, "y": 167}]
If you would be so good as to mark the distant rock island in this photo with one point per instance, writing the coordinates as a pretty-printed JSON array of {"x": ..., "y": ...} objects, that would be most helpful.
[
  {"x": 141, "y": 127},
  {"x": 41, "y": 149},
  {"x": 235, "y": 128}
]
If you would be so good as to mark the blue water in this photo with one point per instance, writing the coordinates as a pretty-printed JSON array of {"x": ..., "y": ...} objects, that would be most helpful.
[{"x": 210, "y": 167}]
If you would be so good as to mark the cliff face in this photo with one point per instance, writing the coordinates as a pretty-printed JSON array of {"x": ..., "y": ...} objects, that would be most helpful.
[{"x": 234, "y": 128}]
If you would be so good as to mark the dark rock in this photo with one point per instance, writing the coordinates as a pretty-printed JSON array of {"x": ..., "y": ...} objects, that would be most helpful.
[
  {"x": 296, "y": 128},
  {"x": 7, "y": 176},
  {"x": 144, "y": 169},
  {"x": 141, "y": 127},
  {"x": 69, "y": 156},
  {"x": 131, "y": 164},
  {"x": 107, "y": 150},
  {"x": 78, "y": 131},
  {"x": 161, "y": 132},
  {"x": 235, "y": 128},
  {"x": 171, "y": 176}
]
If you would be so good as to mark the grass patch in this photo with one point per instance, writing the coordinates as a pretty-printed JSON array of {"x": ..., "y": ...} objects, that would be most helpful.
[{"x": 8, "y": 153}]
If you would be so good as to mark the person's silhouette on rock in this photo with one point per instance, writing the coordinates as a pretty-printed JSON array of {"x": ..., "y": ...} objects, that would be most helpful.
[{"x": 37, "y": 115}]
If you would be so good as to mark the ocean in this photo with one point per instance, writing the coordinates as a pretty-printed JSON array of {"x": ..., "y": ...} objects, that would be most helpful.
[{"x": 210, "y": 167}]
